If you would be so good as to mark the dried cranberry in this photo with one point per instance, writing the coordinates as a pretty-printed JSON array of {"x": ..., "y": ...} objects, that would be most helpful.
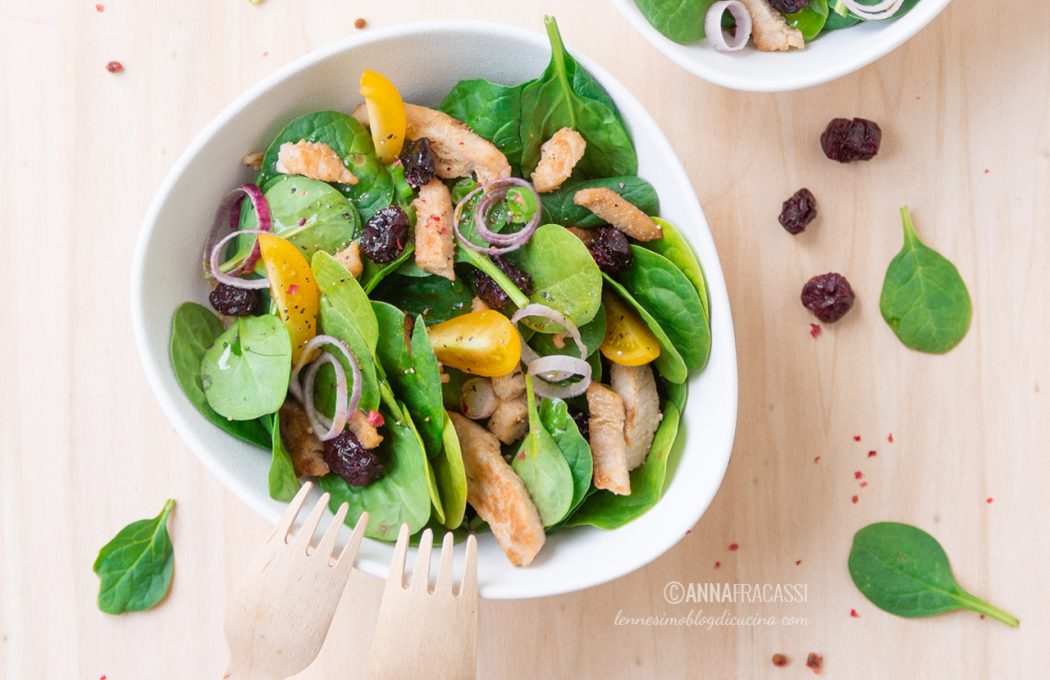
[
  {"x": 798, "y": 211},
  {"x": 789, "y": 6},
  {"x": 847, "y": 140},
  {"x": 611, "y": 251},
  {"x": 490, "y": 292},
  {"x": 350, "y": 460},
  {"x": 828, "y": 296},
  {"x": 583, "y": 422},
  {"x": 418, "y": 161},
  {"x": 385, "y": 235},
  {"x": 233, "y": 301}
]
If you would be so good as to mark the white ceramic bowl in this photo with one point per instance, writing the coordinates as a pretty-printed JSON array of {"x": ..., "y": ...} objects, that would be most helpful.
[
  {"x": 831, "y": 56},
  {"x": 425, "y": 60}
]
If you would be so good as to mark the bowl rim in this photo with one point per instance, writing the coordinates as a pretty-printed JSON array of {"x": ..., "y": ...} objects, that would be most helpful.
[
  {"x": 921, "y": 15},
  {"x": 247, "y": 494}
]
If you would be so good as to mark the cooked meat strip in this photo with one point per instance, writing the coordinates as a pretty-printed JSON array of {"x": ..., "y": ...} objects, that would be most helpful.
[
  {"x": 365, "y": 432},
  {"x": 770, "y": 30},
  {"x": 498, "y": 495},
  {"x": 350, "y": 257},
  {"x": 608, "y": 446},
  {"x": 435, "y": 237},
  {"x": 510, "y": 386},
  {"x": 315, "y": 160},
  {"x": 510, "y": 421},
  {"x": 478, "y": 400},
  {"x": 637, "y": 387},
  {"x": 254, "y": 160},
  {"x": 306, "y": 450},
  {"x": 558, "y": 156},
  {"x": 619, "y": 212}
]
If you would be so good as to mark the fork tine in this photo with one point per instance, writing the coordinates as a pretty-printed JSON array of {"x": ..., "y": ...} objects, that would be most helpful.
[
  {"x": 397, "y": 562},
  {"x": 469, "y": 585},
  {"x": 306, "y": 531},
  {"x": 444, "y": 577},
  {"x": 280, "y": 530},
  {"x": 324, "y": 547},
  {"x": 421, "y": 572},
  {"x": 346, "y": 559}
]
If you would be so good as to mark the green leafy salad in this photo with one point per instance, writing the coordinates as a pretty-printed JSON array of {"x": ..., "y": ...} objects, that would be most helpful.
[{"x": 466, "y": 316}]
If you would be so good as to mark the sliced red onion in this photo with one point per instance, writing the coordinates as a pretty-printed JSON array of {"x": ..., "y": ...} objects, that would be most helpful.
[
  {"x": 713, "y": 25},
  {"x": 494, "y": 192},
  {"x": 536, "y": 309},
  {"x": 304, "y": 391},
  {"x": 876, "y": 12},
  {"x": 560, "y": 365},
  {"x": 228, "y": 214},
  {"x": 233, "y": 279}
]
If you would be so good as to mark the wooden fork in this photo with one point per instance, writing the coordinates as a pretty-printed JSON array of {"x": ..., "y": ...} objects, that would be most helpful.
[
  {"x": 425, "y": 633},
  {"x": 279, "y": 614}
]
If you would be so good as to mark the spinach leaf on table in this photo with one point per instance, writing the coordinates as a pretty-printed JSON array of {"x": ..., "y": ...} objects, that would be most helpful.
[
  {"x": 567, "y": 96},
  {"x": 904, "y": 571},
  {"x": 924, "y": 299},
  {"x": 564, "y": 276},
  {"x": 408, "y": 360},
  {"x": 245, "y": 373},
  {"x": 607, "y": 510},
  {"x": 668, "y": 295},
  {"x": 675, "y": 248},
  {"x": 283, "y": 482},
  {"x": 542, "y": 467},
  {"x": 555, "y": 418},
  {"x": 451, "y": 476},
  {"x": 669, "y": 364},
  {"x": 491, "y": 110},
  {"x": 435, "y": 298},
  {"x": 193, "y": 330},
  {"x": 134, "y": 569},
  {"x": 680, "y": 20},
  {"x": 558, "y": 207}
]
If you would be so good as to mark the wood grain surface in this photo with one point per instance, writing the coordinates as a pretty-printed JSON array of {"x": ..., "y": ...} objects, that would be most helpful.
[{"x": 965, "y": 111}]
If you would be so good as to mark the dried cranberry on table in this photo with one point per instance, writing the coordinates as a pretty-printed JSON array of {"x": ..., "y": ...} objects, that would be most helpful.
[
  {"x": 418, "y": 161},
  {"x": 798, "y": 211},
  {"x": 349, "y": 459},
  {"x": 490, "y": 292},
  {"x": 789, "y": 6},
  {"x": 847, "y": 140},
  {"x": 233, "y": 301},
  {"x": 828, "y": 296},
  {"x": 385, "y": 235},
  {"x": 611, "y": 250}
]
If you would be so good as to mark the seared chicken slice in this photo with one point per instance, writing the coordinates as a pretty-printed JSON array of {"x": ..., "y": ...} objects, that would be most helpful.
[
  {"x": 637, "y": 387},
  {"x": 770, "y": 30},
  {"x": 498, "y": 495},
  {"x": 510, "y": 421},
  {"x": 254, "y": 160},
  {"x": 608, "y": 446},
  {"x": 315, "y": 160},
  {"x": 619, "y": 212},
  {"x": 478, "y": 400},
  {"x": 510, "y": 386},
  {"x": 350, "y": 257},
  {"x": 306, "y": 450},
  {"x": 558, "y": 156},
  {"x": 457, "y": 150},
  {"x": 435, "y": 238},
  {"x": 365, "y": 432}
]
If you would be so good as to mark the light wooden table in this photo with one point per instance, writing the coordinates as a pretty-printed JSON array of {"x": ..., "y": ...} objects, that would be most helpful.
[{"x": 966, "y": 116}]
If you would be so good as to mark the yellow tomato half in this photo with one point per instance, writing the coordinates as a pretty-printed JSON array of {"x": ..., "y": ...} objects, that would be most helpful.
[
  {"x": 628, "y": 341},
  {"x": 482, "y": 343},
  {"x": 293, "y": 287},
  {"x": 386, "y": 115}
]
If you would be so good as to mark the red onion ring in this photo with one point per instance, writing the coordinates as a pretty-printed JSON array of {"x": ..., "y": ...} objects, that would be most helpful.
[
  {"x": 233, "y": 279},
  {"x": 226, "y": 214},
  {"x": 304, "y": 391},
  {"x": 561, "y": 365},
  {"x": 494, "y": 192},
  {"x": 536, "y": 309},
  {"x": 876, "y": 12},
  {"x": 713, "y": 25}
]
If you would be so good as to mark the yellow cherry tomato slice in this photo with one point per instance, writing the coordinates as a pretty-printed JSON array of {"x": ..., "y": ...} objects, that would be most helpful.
[
  {"x": 293, "y": 287},
  {"x": 482, "y": 343},
  {"x": 386, "y": 115},
  {"x": 628, "y": 341}
]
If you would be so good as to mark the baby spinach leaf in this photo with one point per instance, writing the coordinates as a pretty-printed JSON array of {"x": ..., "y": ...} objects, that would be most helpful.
[
  {"x": 668, "y": 295},
  {"x": 558, "y": 207},
  {"x": 334, "y": 319},
  {"x": 432, "y": 485},
  {"x": 606, "y": 510},
  {"x": 193, "y": 330},
  {"x": 453, "y": 388},
  {"x": 542, "y": 467},
  {"x": 451, "y": 476},
  {"x": 904, "y": 571},
  {"x": 374, "y": 273},
  {"x": 670, "y": 363},
  {"x": 839, "y": 16},
  {"x": 675, "y": 248},
  {"x": 924, "y": 299},
  {"x": 810, "y": 19},
  {"x": 680, "y": 20},
  {"x": 491, "y": 110},
  {"x": 555, "y": 418},
  {"x": 409, "y": 362},
  {"x": 245, "y": 373},
  {"x": 134, "y": 569},
  {"x": 401, "y": 495},
  {"x": 592, "y": 333},
  {"x": 346, "y": 294},
  {"x": 565, "y": 96},
  {"x": 284, "y": 484},
  {"x": 435, "y": 298},
  {"x": 564, "y": 276}
]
